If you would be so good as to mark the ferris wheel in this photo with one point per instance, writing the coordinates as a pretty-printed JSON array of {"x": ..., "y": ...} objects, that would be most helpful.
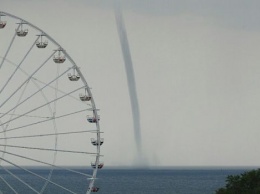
[{"x": 49, "y": 123}]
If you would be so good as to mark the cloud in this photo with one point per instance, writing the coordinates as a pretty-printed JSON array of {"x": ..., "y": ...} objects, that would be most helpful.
[{"x": 237, "y": 14}]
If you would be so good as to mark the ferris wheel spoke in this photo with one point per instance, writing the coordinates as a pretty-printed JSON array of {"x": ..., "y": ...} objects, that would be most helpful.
[
  {"x": 39, "y": 90},
  {"x": 41, "y": 177},
  {"x": 50, "y": 134},
  {"x": 48, "y": 149},
  {"x": 42, "y": 105},
  {"x": 28, "y": 79},
  {"x": 56, "y": 87},
  {"x": 34, "y": 116},
  {"x": 46, "y": 120},
  {"x": 8, "y": 49},
  {"x": 11, "y": 116},
  {"x": 46, "y": 163},
  {"x": 18, "y": 66},
  {"x": 8, "y": 185},
  {"x": 19, "y": 179},
  {"x": 5, "y": 141}
]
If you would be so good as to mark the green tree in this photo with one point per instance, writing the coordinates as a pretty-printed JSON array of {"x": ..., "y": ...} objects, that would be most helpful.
[{"x": 246, "y": 183}]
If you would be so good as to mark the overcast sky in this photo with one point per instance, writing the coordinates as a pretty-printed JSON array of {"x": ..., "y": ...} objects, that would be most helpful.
[{"x": 196, "y": 66}]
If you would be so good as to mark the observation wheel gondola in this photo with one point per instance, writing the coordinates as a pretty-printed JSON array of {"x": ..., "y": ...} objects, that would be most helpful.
[
  {"x": 2, "y": 23},
  {"x": 41, "y": 43},
  {"x": 44, "y": 100}
]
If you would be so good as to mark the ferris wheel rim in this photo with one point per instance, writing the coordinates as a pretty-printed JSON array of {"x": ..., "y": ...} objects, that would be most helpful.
[{"x": 86, "y": 86}]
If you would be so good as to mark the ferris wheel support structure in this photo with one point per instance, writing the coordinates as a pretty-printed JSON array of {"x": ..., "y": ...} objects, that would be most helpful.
[{"x": 99, "y": 141}]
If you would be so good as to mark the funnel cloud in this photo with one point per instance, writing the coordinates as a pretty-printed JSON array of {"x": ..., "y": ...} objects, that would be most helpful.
[{"x": 130, "y": 77}]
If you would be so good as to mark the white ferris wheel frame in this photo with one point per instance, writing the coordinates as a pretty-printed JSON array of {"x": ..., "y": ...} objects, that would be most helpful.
[{"x": 87, "y": 88}]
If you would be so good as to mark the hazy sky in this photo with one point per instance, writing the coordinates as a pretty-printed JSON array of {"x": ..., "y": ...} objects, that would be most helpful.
[{"x": 197, "y": 74}]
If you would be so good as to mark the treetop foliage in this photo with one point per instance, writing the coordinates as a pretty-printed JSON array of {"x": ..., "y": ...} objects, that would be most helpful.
[{"x": 245, "y": 183}]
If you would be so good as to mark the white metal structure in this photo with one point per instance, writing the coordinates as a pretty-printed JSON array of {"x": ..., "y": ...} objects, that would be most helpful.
[{"x": 43, "y": 114}]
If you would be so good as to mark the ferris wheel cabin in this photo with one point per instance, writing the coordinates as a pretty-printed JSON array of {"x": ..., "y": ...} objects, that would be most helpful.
[
  {"x": 2, "y": 23},
  {"x": 83, "y": 97},
  {"x": 94, "y": 189},
  {"x": 96, "y": 142},
  {"x": 100, "y": 165},
  {"x": 20, "y": 31},
  {"x": 73, "y": 77},
  {"x": 92, "y": 119},
  {"x": 41, "y": 43},
  {"x": 59, "y": 58}
]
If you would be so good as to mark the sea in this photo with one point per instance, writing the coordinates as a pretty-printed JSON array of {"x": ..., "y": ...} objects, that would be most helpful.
[{"x": 123, "y": 181}]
